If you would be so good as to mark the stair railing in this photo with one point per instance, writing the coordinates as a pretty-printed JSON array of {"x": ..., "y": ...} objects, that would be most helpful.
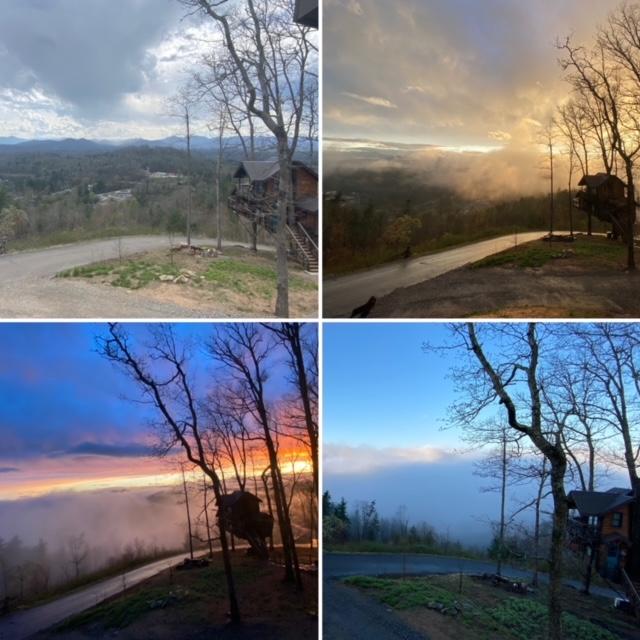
[
  {"x": 308, "y": 238},
  {"x": 632, "y": 592},
  {"x": 300, "y": 248}
]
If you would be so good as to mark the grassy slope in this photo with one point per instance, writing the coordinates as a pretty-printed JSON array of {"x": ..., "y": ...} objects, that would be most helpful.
[{"x": 475, "y": 609}]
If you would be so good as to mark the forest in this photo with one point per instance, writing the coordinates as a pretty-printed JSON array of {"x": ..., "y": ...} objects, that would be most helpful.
[
  {"x": 47, "y": 197},
  {"x": 372, "y": 216}
]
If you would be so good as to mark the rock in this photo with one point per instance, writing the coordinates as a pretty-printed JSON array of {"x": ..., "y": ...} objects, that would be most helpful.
[{"x": 165, "y": 278}]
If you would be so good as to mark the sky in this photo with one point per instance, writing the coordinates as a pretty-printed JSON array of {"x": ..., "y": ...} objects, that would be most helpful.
[
  {"x": 70, "y": 420},
  {"x": 96, "y": 68},
  {"x": 76, "y": 443},
  {"x": 460, "y": 74},
  {"x": 386, "y": 430}
]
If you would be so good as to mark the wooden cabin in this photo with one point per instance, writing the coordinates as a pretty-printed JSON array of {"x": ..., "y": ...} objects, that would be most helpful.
[
  {"x": 240, "y": 512},
  {"x": 601, "y": 520},
  {"x": 255, "y": 199},
  {"x": 605, "y": 196}
]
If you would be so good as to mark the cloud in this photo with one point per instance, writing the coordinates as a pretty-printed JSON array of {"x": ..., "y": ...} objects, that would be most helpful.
[
  {"x": 125, "y": 450},
  {"x": 372, "y": 100},
  {"x": 96, "y": 69},
  {"x": 9, "y": 469},
  {"x": 363, "y": 459},
  {"x": 455, "y": 72}
]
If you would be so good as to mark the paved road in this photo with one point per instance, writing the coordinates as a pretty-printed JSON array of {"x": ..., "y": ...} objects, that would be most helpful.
[
  {"x": 29, "y": 290},
  {"x": 340, "y": 565},
  {"x": 344, "y": 293},
  {"x": 20, "y": 625}
]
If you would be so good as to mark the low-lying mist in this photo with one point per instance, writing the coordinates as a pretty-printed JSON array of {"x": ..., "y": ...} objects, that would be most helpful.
[{"x": 495, "y": 175}]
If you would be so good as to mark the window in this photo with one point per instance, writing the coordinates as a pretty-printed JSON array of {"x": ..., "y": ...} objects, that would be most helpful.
[{"x": 616, "y": 520}]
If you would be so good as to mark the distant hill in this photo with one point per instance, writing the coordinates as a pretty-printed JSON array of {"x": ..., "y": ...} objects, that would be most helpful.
[
  {"x": 11, "y": 140},
  {"x": 265, "y": 145}
]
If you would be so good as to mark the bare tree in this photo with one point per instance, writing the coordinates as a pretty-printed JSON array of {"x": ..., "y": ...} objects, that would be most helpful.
[
  {"x": 514, "y": 377},
  {"x": 609, "y": 74},
  {"x": 181, "y": 106},
  {"x": 243, "y": 350},
  {"x": 272, "y": 56},
  {"x": 78, "y": 552},
  {"x": 169, "y": 390}
]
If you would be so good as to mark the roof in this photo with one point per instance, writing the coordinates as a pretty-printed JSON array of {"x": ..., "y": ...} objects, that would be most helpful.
[
  {"x": 257, "y": 170},
  {"x": 597, "y": 180},
  {"x": 306, "y": 13},
  {"x": 597, "y": 503},
  {"x": 229, "y": 499},
  {"x": 308, "y": 204},
  {"x": 261, "y": 170}
]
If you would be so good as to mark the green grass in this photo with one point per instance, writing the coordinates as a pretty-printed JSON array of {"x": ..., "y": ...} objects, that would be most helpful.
[
  {"x": 131, "y": 274},
  {"x": 517, "y": 618},
  {"x": 592, "y": 251},
  {"x": 199, "y": 585},
  {"x": 527, "y": 620},
  {"x": 406, "y": 594},
  {"x": 244, "y": 277},
  {"x": 249, "y": 278},
  {"x": 117, "y": 614}
]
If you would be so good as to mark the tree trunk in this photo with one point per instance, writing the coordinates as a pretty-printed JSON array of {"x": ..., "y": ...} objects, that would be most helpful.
[
  {"x": 234, "y": 611},
  {"x": 282, "y": 242},
  {"x": 631, "y": 217},
  {"x": 186, "y": 500},
  {"x": 218, "y": 216},
  {"x": 503, "y": 495},
  {"x": 206, "y": 517},
  {"x": 189, "y": 186},
  {"x": 558, "y": 537}
]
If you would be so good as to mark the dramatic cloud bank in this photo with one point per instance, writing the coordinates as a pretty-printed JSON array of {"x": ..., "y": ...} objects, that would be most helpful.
[
  {"x": 460, "y": 73},
  {"x": 98, "y": 69}
]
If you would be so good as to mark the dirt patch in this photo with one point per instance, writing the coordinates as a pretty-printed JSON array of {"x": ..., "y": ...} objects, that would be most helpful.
[
  {"x": 235, "y": 283},
  {"x": 192, "y": 604},
  {"x": 584, "y": 279}
]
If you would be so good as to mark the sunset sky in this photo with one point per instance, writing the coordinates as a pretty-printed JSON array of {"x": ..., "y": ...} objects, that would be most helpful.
[
  {"x": 460, "y": 74},
  {"x": 68, "y": 419}
]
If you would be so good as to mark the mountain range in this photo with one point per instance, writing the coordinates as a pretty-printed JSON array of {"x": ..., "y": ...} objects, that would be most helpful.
[{"x": 80, "y": 146}]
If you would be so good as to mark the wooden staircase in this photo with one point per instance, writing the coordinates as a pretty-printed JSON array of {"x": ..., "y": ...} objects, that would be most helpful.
[{"x": 303, "y": 246}]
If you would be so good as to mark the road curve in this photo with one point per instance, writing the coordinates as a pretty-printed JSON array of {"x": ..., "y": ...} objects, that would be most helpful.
[
  {"x": 341, "y": 565},
  {"x": 46, "y": 263},
  {"x": 28, "y": 288},
  {"x": 344, "y": 293},
  {"x": 23, "y": 624}
]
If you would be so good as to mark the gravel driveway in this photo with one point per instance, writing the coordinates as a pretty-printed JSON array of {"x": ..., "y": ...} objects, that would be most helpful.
[{"x": 29, "y": 289}]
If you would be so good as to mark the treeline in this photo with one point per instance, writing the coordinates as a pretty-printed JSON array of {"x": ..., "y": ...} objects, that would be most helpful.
[
  {"x": 32, "y": 572},
  {"x": 31, "y": 217},
  {"x": 360, "y": 527},
  {"x": 46, "y": 173},
  {"x": 373, "y": 216}
]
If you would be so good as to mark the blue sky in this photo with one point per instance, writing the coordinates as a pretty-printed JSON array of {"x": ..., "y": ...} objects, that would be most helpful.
[
  {"x": 385, "y": 403},
  {"x": 379, "y": 383}
]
